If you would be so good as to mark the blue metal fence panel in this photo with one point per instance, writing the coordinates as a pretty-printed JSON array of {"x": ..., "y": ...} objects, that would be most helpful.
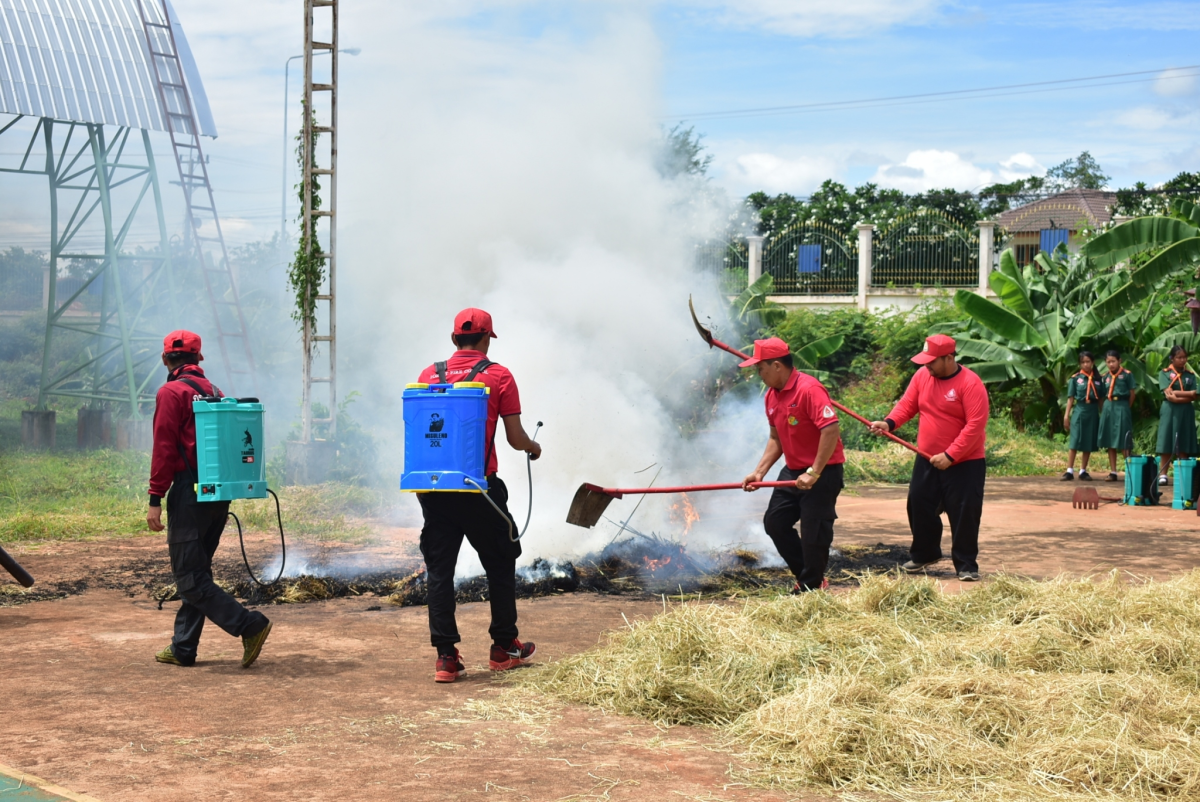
[
  {"x": 1052, "y": 237},
  {"x": 809, "y": 259}
]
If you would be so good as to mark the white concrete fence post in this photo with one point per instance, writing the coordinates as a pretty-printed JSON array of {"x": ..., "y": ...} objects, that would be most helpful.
[
  {"x": 754, "y": 258},
  {"x": 865, "y": 232},
  {"x": 987, "y": 240}
]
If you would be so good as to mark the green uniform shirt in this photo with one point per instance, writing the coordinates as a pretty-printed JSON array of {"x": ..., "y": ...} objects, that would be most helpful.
[
  {"x": 1084, "y": 390},
  {"x": 1176, "y": 381},
  {"x": 1120, "y": 387}
]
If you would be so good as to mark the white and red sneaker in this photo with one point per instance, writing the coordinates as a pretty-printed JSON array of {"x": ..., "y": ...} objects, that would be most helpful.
[
  {"x": 517, "y": 653},
  {"x": 449, "y": 668}
]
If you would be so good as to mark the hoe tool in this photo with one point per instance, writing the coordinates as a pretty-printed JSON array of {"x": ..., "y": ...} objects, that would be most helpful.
[
  {"x": 14, "y": 568},
  {"x": 1086, "y": 498},
  {"x": 591, "y": 500},
  {"x": 708, "y": 338}
]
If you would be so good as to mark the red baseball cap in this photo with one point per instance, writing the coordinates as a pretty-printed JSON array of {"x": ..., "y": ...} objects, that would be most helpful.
[
  {"x": 182, "y": 342},
  {"x": 473, "y": 321},
  {"x": 770, "y": 348},
  {"x": 935, "y": 346}
]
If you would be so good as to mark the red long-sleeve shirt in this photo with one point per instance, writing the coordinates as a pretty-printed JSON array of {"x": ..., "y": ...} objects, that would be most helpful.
[
  {"x": 175, "y": 425},
  {"x": 953, "y": 410}
]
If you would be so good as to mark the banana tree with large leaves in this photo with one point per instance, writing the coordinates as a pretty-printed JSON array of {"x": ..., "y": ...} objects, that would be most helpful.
[
  {"x": 1030, "y": 333},
  {"x": 756, "y": 314}
]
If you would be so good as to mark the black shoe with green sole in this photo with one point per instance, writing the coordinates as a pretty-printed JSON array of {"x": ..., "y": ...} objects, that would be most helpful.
[{"x": 252, "y": 645}]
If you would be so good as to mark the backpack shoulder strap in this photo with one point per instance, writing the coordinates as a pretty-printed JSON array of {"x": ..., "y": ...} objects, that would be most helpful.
[
  {"x": 479, "y": 367},
  {"x": 440, "y": 367}
]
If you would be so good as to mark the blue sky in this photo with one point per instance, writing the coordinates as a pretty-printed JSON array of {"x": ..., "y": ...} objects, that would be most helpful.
[{"x": 711, "y": 56}]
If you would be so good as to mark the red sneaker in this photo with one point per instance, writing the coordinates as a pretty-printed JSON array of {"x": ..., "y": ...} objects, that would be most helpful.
[
  {"x": 448, "y": 668},
  {"x": 796, "y": 589},
  {"x": 516, "y": 654}
]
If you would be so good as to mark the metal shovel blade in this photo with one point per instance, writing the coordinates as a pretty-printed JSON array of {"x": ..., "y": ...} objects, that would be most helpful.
[{"x": 589, "y": 504}]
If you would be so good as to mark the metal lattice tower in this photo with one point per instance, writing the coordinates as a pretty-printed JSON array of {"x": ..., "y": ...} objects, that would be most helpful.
[
  {"x": 184, "y": 130},
  {"x": 313, "y": 128}
]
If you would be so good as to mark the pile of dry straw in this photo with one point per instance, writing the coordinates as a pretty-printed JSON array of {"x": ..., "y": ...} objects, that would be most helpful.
[{"x": 1069, "y": 689}]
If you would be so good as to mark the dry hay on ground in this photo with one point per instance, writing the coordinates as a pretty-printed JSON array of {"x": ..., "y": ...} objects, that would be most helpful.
[{"x": 1015, "y": 690}]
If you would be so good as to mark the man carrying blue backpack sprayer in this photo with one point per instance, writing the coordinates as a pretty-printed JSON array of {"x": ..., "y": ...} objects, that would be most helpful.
[
  {"x": 449, "y": 516},
  {"x": 193, "y": 528}
]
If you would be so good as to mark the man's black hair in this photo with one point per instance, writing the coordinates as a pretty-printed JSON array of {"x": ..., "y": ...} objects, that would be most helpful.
[
  {"x": 177, "y": 358},
  {"x": 786, "y": 360},
  {"x": 468, "y": 340}
]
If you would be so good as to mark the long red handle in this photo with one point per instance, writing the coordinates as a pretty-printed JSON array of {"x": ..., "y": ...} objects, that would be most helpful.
[
  {"x": 618, "y": 492},
  {"x": 849, "y": 412}
]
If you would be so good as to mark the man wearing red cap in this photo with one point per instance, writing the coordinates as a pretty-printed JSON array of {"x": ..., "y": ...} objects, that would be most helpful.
[
  {"x": 953, "y": 405},
  {"x": 805, "y": 432},
  {"x": 193, "y": 528},
  {"x": 451, "y": 516}
]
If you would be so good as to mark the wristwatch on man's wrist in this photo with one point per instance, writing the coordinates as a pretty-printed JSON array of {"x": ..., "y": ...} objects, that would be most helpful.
[{"x": 813, "y": 473}]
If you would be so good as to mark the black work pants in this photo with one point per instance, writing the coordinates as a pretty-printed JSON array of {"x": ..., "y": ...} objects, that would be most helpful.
[
  {"x": 959, "y": 491},
  {"x": 448, "y": 518},
  {"x": 806, "y": 553},
  {"x": 193, "y": 533}
]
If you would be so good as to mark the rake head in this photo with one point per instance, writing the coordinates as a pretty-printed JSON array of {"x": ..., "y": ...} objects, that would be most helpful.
[
  {"x": 1086, "y": 498},
  {"x": 589, "y": 504}
]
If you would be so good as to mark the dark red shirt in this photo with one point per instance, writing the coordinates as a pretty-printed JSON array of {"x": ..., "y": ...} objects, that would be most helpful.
[
  {"x": 175, "y": 425},
  {"x": 799, "y": 412},
  {"x": 954, "y": 413},
  {"x": 503, "y": 400}
]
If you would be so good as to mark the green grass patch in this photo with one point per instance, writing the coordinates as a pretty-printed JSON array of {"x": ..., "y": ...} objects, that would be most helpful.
[{"x": 329, "y": 511}]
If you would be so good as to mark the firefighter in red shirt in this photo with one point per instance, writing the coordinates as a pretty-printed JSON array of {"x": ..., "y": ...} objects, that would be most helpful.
[
  {"x": 451, "y": 516},
  {"x": 193, "y": 528},
  {"x": 805, "y": 432},
  {"x": 953, "y": 405}
]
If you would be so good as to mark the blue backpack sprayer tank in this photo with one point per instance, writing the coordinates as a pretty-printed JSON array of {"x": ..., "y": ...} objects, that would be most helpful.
[
  {"x": 445, "y": 441},
  {"x": 230, "y": 463}
]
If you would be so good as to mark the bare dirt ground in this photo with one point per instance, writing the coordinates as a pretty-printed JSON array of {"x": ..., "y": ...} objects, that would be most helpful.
[{"x": 342, "y": 704}]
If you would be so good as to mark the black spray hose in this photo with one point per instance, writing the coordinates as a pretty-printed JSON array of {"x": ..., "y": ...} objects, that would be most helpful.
[
  {"x": 282, "y": 546},
  {"x": 496, "y": 507}
]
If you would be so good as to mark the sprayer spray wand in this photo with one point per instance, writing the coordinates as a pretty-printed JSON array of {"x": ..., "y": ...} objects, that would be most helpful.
[{"x": 508, "y": 518}]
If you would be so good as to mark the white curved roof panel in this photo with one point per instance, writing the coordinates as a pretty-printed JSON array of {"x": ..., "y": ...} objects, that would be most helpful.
[{"x": 87, "y": 61}]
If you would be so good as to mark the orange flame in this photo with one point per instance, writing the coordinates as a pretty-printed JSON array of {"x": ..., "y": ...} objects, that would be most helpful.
[
  {"x": 684, "y": 512},
  {"x": 654, "y": 565}
]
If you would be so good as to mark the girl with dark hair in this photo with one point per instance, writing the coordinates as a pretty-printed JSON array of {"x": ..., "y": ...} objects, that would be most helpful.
[
  {"x": 1116, "y": 419},
  {"x": 1177, "y": 418},
  {"x": 1082, "y": 416}
]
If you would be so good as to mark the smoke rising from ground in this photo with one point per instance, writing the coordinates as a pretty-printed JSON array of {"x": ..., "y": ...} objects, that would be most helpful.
[{"x": 522, "y": 179}]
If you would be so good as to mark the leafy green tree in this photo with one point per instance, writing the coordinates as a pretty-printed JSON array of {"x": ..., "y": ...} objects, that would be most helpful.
[
  {"x": 682, "y": 153},
  {"x": 21, "y": 279},
  {"x": 1143, "y": 201},
  {"x": 998, "y": 198},
  {"x": 755, "y": 316},
  {"x": 1082, "y": 172}
]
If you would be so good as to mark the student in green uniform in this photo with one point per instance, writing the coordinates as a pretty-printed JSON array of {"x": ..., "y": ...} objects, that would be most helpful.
[
  {"x": 1177, "y": 418},
  {"x": 1116, "y": 420},
  {"x": 1083, "y": 397}
]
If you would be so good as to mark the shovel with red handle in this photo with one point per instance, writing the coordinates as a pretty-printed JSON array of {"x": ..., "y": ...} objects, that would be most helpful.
[
  {"x": 591, "y": 500},
  {"x": 711, "y": 340}
]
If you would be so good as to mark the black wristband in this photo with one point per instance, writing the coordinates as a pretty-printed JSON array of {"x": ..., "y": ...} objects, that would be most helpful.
[
  {"x": 891, "y": 424},
  {"x": 947, "y": 455},
  {"x": 155, "y": 501}
]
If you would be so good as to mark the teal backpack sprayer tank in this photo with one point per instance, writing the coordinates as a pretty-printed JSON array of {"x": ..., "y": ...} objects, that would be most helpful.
[
  {"x": 230, "y": 463},
  {"x": 445, "y": 441}
]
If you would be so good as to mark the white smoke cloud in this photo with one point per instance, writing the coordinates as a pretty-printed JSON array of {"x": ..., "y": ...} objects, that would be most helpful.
[{"x": 519, "y": 177}]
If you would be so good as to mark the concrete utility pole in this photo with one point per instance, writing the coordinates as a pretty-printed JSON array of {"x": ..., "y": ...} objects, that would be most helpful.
[{"x": 310, "y": 459}]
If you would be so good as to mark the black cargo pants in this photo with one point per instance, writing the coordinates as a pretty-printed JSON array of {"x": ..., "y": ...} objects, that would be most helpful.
[
  {"x": 959, "y": 491},
  {"x": 448, "y": 518},
  {"x": 193, "y": 533},
  {"x": 806, "y": 553}
]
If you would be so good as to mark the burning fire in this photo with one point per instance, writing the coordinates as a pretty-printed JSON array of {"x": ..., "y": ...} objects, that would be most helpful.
[
  {"x": 685, "y": 513},
  {"x": 654, "y": 565}
]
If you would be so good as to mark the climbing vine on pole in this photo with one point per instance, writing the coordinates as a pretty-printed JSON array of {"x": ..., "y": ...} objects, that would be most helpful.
[{"x": 307, "y": 270}]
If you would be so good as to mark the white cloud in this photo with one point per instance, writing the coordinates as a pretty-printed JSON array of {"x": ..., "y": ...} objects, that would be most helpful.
[
  {"x": 923, "y": 170},
  {"x": 820, "y": 17},
  {"x": 770, "y": 173},
  {"x": 1175, "y": 83}
]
